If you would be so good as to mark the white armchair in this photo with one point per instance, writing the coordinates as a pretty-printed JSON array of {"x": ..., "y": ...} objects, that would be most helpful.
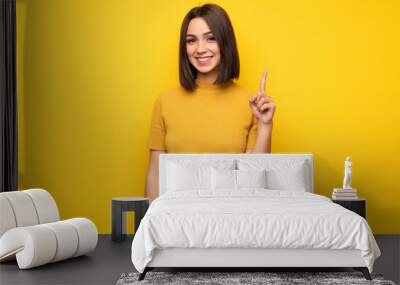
[{"x": 31, "y": 230}]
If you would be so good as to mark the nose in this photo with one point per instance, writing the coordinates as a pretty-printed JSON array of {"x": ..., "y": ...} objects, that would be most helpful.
[{"x": 202, "y": 46}]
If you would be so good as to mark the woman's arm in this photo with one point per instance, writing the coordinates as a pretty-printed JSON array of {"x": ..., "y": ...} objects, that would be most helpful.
[
  {"x": 263, "y": 108},
  {"x": 264, "y": 137},
  {"x": 151, "y": 188}
]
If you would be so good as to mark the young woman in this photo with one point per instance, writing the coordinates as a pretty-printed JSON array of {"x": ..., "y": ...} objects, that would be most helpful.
[{"x": 208, "y": 113}]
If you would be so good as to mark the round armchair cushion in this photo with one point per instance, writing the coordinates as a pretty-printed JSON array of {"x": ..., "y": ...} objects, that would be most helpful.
[
  {"x": 40, "y": 244},
  {"x": 26, "y": 208},
  {"x": 7, "y": 220},
  {"x": 45, "y": 205},
  {"x": 33, "y": 246},
  {"x": 87, "y": 235}
]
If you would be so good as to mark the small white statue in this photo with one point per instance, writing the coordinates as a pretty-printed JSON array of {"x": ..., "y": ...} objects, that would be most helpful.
[{"x": 347, "y": 174}]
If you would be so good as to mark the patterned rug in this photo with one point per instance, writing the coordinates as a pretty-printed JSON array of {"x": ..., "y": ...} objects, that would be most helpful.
[{"x": 243, "y": 278}]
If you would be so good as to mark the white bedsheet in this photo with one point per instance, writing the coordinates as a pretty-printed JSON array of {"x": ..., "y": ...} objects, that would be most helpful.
[{"x": 251, "y": 218}]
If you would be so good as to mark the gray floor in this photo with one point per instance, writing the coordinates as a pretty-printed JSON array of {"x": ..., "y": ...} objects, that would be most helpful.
[
  {"x": 111, "y": 259},
  {"x": 389, "y": 262},
  {"x": 102, "y": 266}
]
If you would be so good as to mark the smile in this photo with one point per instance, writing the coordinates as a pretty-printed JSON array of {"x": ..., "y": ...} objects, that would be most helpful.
[{"x": 204, "y": 60}]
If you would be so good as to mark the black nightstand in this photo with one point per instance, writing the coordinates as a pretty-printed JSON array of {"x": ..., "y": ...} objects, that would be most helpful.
[
  {"x": 119, "y": 208},
  {"x": 357, "y": 206}
]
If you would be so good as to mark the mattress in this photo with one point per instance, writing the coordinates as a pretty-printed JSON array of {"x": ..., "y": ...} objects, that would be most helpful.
[{"x": 250, "y": 219}]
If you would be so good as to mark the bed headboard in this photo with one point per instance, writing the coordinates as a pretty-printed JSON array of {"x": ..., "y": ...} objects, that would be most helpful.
[{"x": 164, "y": 158}]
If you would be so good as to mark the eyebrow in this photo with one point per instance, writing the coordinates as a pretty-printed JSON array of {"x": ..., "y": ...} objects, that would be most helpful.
[{"x": 190, "y": 35}]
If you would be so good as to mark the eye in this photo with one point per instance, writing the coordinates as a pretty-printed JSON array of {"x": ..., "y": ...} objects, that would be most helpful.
[
  {"x": 190, "y": 40},
  {"x": 211, "y": 39}
]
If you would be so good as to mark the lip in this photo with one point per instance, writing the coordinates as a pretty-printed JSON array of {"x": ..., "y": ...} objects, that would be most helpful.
[{"x": 204, "y": 60}]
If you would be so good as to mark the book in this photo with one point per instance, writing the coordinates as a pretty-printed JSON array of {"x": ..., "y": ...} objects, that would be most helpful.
[
  {"x": 344, "y": 196},
  {"x": 341, "y": 190}
]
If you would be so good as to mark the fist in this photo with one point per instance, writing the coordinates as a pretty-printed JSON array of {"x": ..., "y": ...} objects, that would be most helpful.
[{"x": 262, "y": 106}]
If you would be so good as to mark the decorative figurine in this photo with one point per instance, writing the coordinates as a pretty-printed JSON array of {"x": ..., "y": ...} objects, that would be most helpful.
[{"x": 347, "y": 174}]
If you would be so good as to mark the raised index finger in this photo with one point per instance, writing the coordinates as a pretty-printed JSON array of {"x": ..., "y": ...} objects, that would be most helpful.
[{"x": 263, "y": 81}]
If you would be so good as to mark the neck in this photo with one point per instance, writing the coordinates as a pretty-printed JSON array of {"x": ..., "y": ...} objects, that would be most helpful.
[{"x": 209, "y": 77}]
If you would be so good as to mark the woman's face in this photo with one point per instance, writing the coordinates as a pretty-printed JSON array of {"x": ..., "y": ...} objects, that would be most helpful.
[{"x": 202, "y": 48}]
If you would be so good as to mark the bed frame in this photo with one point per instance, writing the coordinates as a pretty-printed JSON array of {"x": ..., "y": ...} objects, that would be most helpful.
[{"x": 250, "y": 258}]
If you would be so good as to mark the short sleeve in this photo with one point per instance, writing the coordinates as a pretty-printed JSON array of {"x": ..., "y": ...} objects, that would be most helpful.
[
  {"x": 156, "y": 140},
  {"x": 252, "y": 135}
]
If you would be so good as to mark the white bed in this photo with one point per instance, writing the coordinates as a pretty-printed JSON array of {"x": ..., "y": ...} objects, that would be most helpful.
[{"x": 218, "y": 225}]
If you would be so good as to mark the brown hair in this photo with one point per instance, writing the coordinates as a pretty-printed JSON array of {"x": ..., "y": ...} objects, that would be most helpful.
[{"x": 218, "y": 21}]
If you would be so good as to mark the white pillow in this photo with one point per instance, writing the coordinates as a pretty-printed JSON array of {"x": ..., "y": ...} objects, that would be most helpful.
[
  {"x": 181, "y": 178},
  {"x": 251, "y": 178},
  {"x": 236, "y": 179},
  {"x": 223, "y": 179},
  {"x": 188, "y": 174},
  {"x": 281, "y": 174},
  {"x": 290, "y": 179}
]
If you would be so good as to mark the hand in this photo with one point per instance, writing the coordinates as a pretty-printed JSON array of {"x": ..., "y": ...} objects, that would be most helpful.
[{"x": 262, "y": 106}]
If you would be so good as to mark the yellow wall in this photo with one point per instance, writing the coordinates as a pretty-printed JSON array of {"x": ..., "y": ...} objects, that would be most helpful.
[{"x": 90, "y": 70}]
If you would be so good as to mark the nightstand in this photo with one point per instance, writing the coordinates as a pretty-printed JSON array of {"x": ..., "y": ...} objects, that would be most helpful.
[
  {"x": 119, "y": 208},
  {"x": 357, "y": 205}
]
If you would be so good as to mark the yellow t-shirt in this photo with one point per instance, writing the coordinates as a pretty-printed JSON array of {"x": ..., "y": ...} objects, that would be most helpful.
[{"x": 212, "y": 119}]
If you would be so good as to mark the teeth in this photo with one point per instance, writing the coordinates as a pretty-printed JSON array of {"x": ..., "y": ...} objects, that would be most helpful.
[{"x": 203, "y": 58}]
